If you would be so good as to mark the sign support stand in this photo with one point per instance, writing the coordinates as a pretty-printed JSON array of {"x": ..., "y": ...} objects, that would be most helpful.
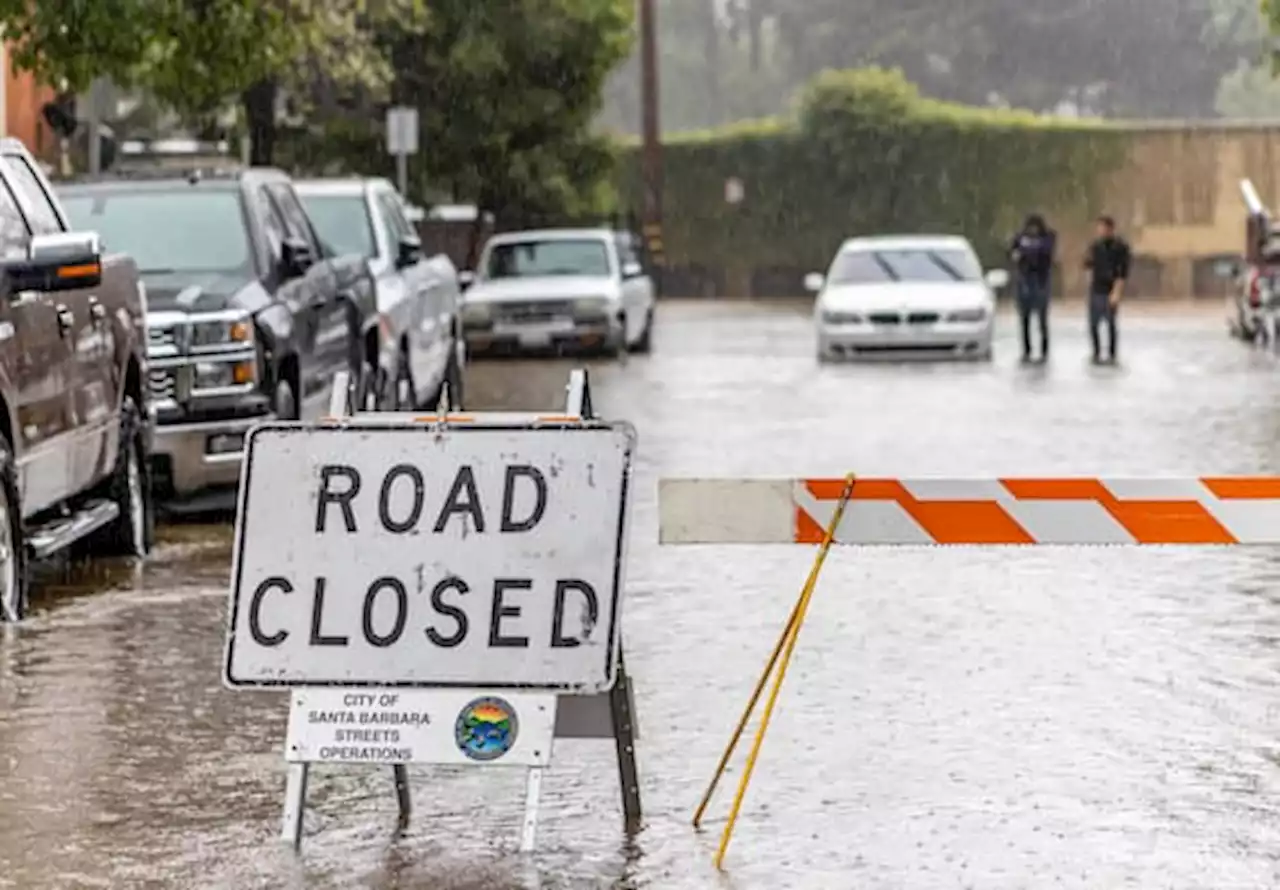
[
  {"x": 578, "y": 404},
  {"x": 603, "y": 715}
]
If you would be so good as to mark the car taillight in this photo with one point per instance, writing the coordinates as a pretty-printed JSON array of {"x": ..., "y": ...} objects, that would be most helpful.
[{"x": 1255, "y": 288}]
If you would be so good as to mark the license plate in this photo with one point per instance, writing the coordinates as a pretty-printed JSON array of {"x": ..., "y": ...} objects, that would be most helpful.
[{"x": 538, "y": 334}]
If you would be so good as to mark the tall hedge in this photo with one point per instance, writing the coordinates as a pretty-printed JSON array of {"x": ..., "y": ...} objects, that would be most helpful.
[{"x": 866, "y": 154}]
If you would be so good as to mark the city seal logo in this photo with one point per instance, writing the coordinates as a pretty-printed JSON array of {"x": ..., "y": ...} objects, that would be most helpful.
[{"x": 486, "y": 729}]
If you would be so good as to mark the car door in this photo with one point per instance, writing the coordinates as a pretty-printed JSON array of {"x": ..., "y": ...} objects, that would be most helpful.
[
  {"x": 94, "y": 385},
  {"x": 431, "y": 327},
  {"x": 42, "y": 372},
  {"x": 327, "y": 317}
]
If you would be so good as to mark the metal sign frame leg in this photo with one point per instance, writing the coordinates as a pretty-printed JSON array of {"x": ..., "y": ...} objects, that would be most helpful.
[
  {"x": 532, "y": 797},
  {"x": 620, "y": 703},
  {"x": 295, "y": 803},
  {"x": 578, "y": 403}
]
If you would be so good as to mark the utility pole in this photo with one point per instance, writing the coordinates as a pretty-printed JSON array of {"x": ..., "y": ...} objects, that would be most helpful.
[
  {"x": 651, "y": 157},
  {"x": 97, "y": 100}
]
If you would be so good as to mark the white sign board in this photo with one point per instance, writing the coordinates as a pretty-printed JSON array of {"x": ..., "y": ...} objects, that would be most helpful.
[
  {"x": 381, "y": 554},
  {"x": 402, "y": 130},
  {"x": 445, "y": 726},
  {"x": 734, "y": 190}
]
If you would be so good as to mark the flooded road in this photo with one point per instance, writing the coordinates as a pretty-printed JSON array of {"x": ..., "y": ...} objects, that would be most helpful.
[{"x": 1093, "y": 718}]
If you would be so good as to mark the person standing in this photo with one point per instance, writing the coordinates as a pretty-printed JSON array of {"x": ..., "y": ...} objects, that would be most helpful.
[
  {"x": 1108, "y": 263},
  {"x": 1032, "y": 251}
]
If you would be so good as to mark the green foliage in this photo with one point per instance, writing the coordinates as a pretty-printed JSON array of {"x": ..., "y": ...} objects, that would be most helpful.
[
  {"x": 68, "y": 43},
  {"x": 865, "y": 155},
  {"x": 506, "y": 91}
]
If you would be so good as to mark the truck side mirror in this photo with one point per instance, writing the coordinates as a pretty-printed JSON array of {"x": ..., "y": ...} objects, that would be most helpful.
[{"x": 57, "y": 262}]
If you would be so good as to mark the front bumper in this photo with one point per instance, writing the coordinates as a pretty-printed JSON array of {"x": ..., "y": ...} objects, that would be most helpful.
[
  {"x": 557, "y": 335},
  {"x": 192, "y": 458},
  {"x": 941, "y": 340}
]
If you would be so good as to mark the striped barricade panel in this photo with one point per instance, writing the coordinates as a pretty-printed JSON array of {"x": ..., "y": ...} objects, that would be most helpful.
[{"x": 1003, "y": 511}]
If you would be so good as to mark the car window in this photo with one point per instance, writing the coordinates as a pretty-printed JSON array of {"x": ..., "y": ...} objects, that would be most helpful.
[
  {"x": 875, "y": 266},
  {"x": 560, "y": 256},
  {"x": 272, "y": 223},
  {"x": 15, "y": 237},
  {"x": 341, "y": 223},
  {"x": 36, "y": 202},
  {"x": 295, "y": 218},
  {"x": 394, "y": 213},
  {"x": 626, "y": 250},
  {"x": 183, "y": 229}
]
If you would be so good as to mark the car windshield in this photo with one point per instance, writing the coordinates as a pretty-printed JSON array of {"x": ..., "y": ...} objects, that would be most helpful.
[
  {"x": 560, "y": 256},
  {"x": 860, "y": 266},
  {"x": 342, "y": 222},
  {"x": 187, "y": 230}
]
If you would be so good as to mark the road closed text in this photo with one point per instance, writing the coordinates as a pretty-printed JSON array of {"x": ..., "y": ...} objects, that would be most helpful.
[{"x": 426, "y": 562}]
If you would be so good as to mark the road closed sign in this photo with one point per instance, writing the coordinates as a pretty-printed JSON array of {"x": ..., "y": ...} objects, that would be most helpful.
[{"x": 415, "y": 556}]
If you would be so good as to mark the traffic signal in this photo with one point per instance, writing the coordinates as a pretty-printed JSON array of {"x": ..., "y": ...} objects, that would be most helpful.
[{"x": 60, "y": 115}]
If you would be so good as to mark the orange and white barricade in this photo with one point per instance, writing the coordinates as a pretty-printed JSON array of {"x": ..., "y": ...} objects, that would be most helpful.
[{"x": 985, "y": 512}]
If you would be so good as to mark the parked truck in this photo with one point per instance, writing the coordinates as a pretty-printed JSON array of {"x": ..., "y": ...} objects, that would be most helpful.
[
  {"x": 249, "y": 315},
  {"x": 75, "y": 430}
]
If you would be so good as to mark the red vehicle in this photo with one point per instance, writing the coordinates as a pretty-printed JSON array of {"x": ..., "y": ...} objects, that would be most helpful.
[{"x": 1254, "y": 305}]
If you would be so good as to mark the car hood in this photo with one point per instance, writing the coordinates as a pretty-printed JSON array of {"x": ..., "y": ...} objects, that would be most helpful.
[
  {"x": 550, "y": 287},
  {"x": 203, "y": 292},
  {"x": 907, "y": 296}
]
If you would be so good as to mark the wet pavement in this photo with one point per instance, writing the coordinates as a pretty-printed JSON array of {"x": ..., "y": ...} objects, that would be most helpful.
[{"x": 1091, "y": 718}]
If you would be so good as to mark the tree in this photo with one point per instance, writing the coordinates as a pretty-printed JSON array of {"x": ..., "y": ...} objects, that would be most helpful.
[{"x": 506, "y": 92}]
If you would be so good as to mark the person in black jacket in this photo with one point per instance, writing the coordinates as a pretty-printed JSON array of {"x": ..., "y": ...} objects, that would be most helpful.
[
  {"x": 1107, "y": 260},
  {"x": 1032, "y": 251}
]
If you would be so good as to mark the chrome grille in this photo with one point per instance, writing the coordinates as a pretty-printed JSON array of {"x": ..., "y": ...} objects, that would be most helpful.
[
  {"x": 533, "y": 310},
  {"x": 162, "y": 337},
  {"x": 163, "y": 383}
]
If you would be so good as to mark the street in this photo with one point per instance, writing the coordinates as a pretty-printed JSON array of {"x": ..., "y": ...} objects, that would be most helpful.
[{"x": 1090, "y": 718}]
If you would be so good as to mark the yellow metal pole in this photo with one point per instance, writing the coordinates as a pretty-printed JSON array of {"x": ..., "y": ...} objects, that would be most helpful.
[
  {"x": 787, "y": 633},
  {"x": 802, "y": 607}
]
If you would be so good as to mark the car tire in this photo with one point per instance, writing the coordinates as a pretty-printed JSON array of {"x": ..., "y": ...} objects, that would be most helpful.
[
  {"x": 452, "y": 379},
  {"x": 133, "y": 531},
  {"x": 285, "y": 401},
  {"x": 15, "y": 584},
  {"x": 402, "y": 396},
  {"x": 645, "y": 343},
  {"x": 366, "y": 394}
]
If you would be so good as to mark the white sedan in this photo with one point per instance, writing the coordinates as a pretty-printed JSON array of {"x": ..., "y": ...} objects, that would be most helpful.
[{"x": 905, "y": 296}]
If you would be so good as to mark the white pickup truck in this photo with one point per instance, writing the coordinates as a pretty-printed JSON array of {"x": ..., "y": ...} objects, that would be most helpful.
[{"x": 420, "y": 344}]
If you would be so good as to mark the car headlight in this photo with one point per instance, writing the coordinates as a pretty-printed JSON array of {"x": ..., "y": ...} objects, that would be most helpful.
[
  {"x": 224, "y": 375},
  {"x": 591, "y": 307},
  {"x": 476, "y": 313},
  {"x": 967, "y": 315},
  {"x": 221, "y": 331},
  {"x": 841, "y": 318}
]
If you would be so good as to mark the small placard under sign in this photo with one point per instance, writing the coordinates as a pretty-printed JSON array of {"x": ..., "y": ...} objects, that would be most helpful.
[{"x": 449, "y": 726}]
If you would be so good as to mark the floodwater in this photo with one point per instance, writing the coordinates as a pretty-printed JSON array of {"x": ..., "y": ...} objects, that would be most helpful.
[{"x": 1088, "y": 718}]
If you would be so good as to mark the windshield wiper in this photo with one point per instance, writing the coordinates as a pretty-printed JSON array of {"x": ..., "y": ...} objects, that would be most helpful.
[
  {"x": 886, "y": 266},
  {"x": 157, "y": 271},
  {"x": 944, "y": 265}
]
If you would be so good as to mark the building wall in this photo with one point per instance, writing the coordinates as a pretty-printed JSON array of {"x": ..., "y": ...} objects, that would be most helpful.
[
  {"x": 23, "y": 98},
  {"x": 1178, "y": 202}
]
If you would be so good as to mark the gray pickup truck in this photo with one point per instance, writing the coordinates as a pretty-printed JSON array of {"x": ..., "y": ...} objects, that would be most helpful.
[
  {"x": 249, "y": 315},
  {"x": 75, "y": 433}
]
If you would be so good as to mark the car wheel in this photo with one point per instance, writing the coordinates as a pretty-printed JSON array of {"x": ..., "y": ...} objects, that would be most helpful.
[
  {"x": 403, "y": 397},
  {"x": 453, "y": 380},
  {"x": 132, "y": 532},
  {"x": 14, "y": 584},
  {"x": 285, "y": 401},
  {"x": 645, "y": 343}
]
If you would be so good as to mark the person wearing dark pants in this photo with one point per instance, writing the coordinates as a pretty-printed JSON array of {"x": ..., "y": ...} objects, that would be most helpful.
[
  {"x": 1108, "y": 263},
  {"x": 1032, "y": 251}
]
